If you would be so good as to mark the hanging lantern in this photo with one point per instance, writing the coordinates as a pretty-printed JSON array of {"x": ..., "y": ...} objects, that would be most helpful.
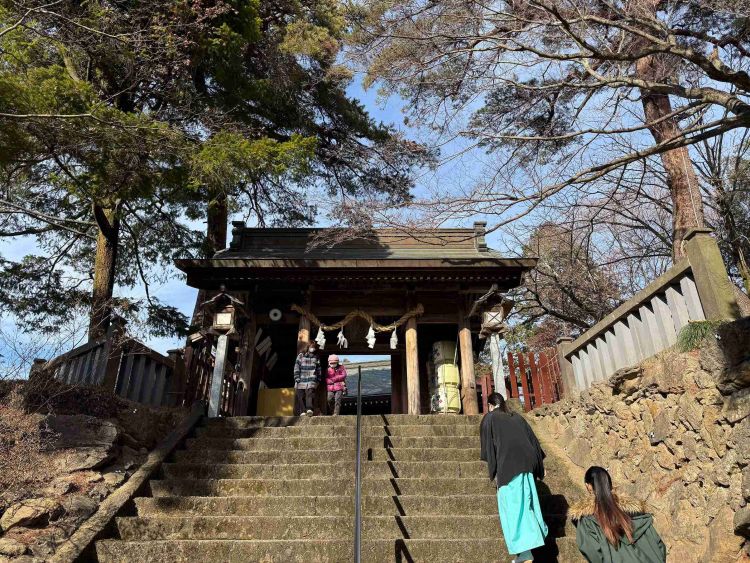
[
  {"x": 224, "y": 319},
  {"x": 320, "y": 339}
]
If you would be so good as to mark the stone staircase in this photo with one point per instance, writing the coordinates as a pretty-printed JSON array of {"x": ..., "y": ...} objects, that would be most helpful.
[{"x": 282, "y": 489}]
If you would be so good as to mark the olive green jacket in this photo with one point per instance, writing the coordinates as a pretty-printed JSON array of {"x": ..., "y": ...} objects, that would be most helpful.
[{"x": 647, "y": 546}]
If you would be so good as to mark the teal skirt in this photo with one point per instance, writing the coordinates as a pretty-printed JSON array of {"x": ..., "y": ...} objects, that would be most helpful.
[{"x": 520, "y": 514}]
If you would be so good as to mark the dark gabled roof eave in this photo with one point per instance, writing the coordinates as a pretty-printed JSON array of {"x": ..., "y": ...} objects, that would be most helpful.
[{"x": 193, "y": 264}]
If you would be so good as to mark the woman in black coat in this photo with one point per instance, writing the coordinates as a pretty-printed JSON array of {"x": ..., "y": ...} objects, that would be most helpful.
[{"x": 514, "y": 459}]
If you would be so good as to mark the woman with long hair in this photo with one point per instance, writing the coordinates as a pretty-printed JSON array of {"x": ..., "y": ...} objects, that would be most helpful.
[
  {"x": 612, "y": 528},
  {"x": 514, "y": 458}
]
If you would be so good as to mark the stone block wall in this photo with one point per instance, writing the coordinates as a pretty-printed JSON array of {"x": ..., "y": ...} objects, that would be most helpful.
[{"x": 674, "y": 431}]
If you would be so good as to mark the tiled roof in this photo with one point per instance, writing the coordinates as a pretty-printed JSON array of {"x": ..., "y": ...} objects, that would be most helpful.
[
  {"x": 305, "y": 244},
  {"x": 287, "y": 255}
]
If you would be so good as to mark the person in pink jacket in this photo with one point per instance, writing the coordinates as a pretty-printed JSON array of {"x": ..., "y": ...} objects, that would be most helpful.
[{"x": 336, "y": 381}]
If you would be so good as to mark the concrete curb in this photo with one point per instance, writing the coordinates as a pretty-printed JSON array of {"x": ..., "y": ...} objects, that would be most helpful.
[{"x": 79, "y": 547}]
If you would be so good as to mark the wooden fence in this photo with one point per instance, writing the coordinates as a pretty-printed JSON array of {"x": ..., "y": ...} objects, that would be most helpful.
[
  {"x": 696, "y": 288},
  {"x": 533, "y": 377},
  {"x": 129, "y": 368},
  {"x": 199, "y": 366}
]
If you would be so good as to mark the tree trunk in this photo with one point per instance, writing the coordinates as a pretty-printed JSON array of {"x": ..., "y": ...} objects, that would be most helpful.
[
  {"x": 105, "y": 264},
  {"x": 216, "y": 228},
  {"x": 687, "y": 203},
  {"x": 217, "y": 217}
]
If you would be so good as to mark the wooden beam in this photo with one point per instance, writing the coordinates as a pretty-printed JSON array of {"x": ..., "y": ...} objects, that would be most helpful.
[
  {"x": 412, "y": 367},
  {"x": 468, "y": 383}
]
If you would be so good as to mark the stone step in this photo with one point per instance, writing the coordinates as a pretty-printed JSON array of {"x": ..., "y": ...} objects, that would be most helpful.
[
  {"x": 334, "y": 470},
  {"x": 319, "y": 430},
  {"x": 321, "y": 551},
  {"x": 420, "y": 454},
  {"x": 322, "y": 443},
  {"x": 319, "y": 527},
  {"x": 333, "y": 505},
  {"x": 317, "y": 487},
  {"x": 376, "y": 420},
  {"x": 210, "y": 456}
]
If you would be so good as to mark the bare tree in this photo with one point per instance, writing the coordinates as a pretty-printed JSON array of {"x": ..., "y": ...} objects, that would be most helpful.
[
  {"x": 724, "y": 171},
  {"x": 551, "y": 88}
]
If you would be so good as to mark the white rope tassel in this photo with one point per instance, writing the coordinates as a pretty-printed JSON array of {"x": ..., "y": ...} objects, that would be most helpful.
[
  {"x": 394, "y": 340},
  {"x": 321, "y": 339},
  {"x": 341, "y": 339},
  {"x": 371, "y": 337}
]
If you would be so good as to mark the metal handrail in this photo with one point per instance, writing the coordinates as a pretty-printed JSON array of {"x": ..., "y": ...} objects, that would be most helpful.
[{"x": 358, "y": 475}]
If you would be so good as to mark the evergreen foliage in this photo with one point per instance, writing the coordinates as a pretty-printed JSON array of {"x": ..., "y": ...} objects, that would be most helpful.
[{"x": 122, "y": 125}]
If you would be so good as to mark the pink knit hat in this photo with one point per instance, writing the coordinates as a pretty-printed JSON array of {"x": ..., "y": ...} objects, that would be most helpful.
[{"x": 333, "y": 359}]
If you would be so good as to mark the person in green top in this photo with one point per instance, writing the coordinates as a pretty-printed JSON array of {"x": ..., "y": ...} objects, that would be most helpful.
[{"x": 612, "y": 528}]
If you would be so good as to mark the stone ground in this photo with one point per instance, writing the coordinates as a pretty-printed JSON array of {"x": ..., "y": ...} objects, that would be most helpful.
[{"x": 89, "y": 443}]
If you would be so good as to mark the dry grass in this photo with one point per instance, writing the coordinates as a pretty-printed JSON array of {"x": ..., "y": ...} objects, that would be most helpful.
[{"x": 23, "y": 461}]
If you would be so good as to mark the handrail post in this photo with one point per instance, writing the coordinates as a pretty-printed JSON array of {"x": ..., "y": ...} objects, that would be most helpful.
[{"x": 358, "y": 475}]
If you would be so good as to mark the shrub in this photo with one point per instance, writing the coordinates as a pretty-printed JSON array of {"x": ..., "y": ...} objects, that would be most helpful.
[{"x": 694, "y": 333}]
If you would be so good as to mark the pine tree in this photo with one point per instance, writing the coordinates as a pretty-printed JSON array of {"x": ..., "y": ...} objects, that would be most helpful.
[{"x": 123, "y": 124}]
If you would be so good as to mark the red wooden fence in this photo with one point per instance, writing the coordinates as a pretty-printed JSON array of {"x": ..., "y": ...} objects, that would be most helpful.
[{"x": 533, "y": 377}]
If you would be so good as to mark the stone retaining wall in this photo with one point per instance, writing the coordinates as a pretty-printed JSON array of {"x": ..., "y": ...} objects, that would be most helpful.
[{"x": 674, "y": 431}]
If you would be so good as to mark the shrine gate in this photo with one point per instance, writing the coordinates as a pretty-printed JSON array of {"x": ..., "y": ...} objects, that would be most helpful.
[{"x": 390, "y": 294}]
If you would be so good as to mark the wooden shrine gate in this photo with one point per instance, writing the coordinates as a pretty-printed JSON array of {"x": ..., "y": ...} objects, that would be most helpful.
[{"x": 533, "y": 377}]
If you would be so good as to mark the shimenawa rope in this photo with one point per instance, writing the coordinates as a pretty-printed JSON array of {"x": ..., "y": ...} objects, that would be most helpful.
[{"x": 418, "y": 310}]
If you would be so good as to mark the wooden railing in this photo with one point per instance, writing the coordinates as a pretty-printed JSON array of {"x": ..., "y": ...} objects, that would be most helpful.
[
  {"x": 534, "y": 377},
  {"x": 199, "y": 367},
  {"x": 128, "y": 367}
]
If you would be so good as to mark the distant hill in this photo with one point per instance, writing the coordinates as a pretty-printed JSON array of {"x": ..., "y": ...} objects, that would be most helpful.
[{"x": 375, "y": 380}]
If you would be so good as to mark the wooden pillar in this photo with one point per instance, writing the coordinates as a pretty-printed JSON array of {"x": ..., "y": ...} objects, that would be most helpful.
[
  {"x": 404, "y": 388},
  {"x": 524, "y": 382},
  {"x": 412, "y": 368},
  {"x": 247, "y": 351},
  {"x": 512, "y": 381},
  {"x": 217, "y": 380},
  {"x": 396, "y": 385},
  {"x": 536, "y": 381},
  {"x": 468, "y": 383}
]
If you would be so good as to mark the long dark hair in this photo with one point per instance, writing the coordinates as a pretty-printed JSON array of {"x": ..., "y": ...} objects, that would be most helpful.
[
  {"x": 613, "y": 520},
  {"x": 498, "y": 401}
]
